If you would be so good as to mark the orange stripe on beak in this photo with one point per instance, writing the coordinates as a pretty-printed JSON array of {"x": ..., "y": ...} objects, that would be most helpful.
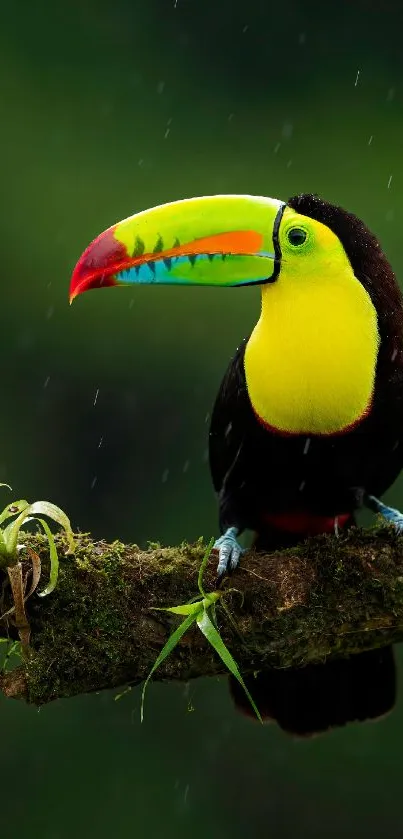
[{"x": 238, "y": 242}]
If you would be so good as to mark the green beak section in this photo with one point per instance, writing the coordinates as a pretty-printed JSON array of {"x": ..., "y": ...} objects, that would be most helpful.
[{"x": 221, "y": 240}]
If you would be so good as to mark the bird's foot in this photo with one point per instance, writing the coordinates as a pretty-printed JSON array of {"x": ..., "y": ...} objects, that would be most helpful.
[
  {"x": 388, "y": 513},
  {"x": 229, "y": 551}
]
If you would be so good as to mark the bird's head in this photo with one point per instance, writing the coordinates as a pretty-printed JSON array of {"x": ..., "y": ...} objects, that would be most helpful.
[
  {"x": 331, "y": 307},
  {"x": 222, "y": 240}
]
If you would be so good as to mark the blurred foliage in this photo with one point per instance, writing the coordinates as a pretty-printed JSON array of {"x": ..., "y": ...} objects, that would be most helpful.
[{"x": 107, "y": 109}]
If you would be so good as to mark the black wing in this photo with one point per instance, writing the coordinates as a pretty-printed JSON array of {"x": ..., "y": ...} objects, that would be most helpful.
[{"x": 229, "y": 420}]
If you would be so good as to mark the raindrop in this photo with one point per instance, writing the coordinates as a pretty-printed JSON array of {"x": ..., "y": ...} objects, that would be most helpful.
[
  {"x": 302, "y": 485},
  {"x": 302, "y": 38},
  {"x": 46, "y": 382},
  {"x": 245, "y": 29},
  {"x": 370, "y": 139},
  {"x": 186, "y": 465},
  {"x": 131, "y": 304},
  {"x": 307, "y": 444},
  {"x": 96, "y": 396},
  {"x": 185, "y": 797},
  {"x": 394, "y": 354},
  {"x": 289, "y": 164},
  {"x": 50, "y": 312},
  {"x": 287, "y": 130},
  {"x": 390, "y": 94},
  {"x": 205, "y": 455},
  {"x": 276, "y": 148},
  {"x": 160, "y": 87},
  {"x": 100, "y": 442},
  {"x": 390, "y": 181},
  {"x": 356, "y": 78},
  {"x": 228, "y": 429},
  {"x": 207, "y": 417},
  {"x": 231, "y": 117},
  {"x": 141, "y": 161},
  {"x": 165, "y": 476},
  {"x": 93, "y": 482}
]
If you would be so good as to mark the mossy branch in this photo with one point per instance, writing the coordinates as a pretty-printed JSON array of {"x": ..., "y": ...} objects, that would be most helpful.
[{"x": 98, "y": 629}]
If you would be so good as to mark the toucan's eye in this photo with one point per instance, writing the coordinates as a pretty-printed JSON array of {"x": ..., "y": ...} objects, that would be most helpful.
[{"x": 296, "y": 236}]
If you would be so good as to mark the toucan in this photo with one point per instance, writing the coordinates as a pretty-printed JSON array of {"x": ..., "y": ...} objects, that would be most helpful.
[{"x": 307, "y": 426}]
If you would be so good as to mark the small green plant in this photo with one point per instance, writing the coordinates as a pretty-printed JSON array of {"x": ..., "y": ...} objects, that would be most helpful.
[
  {"x": 17, "y": 515},
  {"x": 202, "y": 612},
  {"x": 13, "y": 651}
]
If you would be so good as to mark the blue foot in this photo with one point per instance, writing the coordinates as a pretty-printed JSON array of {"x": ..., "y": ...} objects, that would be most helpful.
[
  {"x": 389, "y": 513},
  {"x": 229, "y": 551}
]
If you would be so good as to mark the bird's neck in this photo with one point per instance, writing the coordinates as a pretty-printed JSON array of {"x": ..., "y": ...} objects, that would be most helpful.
[{"x": 311, "y": 359}]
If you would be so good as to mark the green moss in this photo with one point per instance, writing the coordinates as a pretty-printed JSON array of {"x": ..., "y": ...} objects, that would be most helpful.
[
  {"x": 98, "y": 629},
  {"x": 93, "y": 616}
]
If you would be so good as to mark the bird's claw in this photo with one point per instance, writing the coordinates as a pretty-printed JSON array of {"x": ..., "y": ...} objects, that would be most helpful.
[
  {"x": 389, "y": 513},
  {"x": 229, "y": 551}
]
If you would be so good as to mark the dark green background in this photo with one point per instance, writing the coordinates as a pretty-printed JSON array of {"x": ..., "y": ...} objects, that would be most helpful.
[{"x": 107, "y": 108}]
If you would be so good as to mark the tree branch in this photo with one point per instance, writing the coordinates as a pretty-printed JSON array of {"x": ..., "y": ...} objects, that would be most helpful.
[{"x": 328, "y": 597}]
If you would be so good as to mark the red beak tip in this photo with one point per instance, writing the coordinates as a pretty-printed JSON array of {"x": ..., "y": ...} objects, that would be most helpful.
[{"x": 95, "y": 268}]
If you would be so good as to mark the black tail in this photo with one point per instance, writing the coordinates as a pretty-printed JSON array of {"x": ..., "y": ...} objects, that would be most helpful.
[{"x": 313, "y": 699}]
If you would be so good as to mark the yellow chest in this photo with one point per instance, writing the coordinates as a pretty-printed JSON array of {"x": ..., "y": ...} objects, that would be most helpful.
[{"x": 310, "y": 361}]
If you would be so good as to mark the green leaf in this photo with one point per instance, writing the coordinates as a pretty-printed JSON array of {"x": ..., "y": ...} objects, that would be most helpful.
[
  {"x": 185, "y": 609},
  {"x": 166, "y": 651},
  {"x": 14, "y": 648},
  {"x": 13, "y": 509},
  {"x": 203, "y": 566},
  {"x": 10, "y": 533},
  {"x": 214, "y": 638},
  {"x": 45, "y": 508},
  {"x": 211, "y": 599},
  {"x": 3, "y": 550},
  {"x": 54, "y": 560},
  {"x": 193, "y": 607}
]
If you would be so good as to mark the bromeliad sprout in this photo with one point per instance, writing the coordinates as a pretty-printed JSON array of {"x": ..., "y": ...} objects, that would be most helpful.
[
  {"x": 12, "y": 519},
  {"x": 200, "y": 611}
]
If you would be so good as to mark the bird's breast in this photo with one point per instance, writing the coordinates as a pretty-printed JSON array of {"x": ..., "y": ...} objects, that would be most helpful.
[{"x": 310, "y": 362}]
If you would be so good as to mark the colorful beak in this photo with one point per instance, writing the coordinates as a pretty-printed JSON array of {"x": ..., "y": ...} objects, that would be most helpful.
[{"x": 220, "y": 240}]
